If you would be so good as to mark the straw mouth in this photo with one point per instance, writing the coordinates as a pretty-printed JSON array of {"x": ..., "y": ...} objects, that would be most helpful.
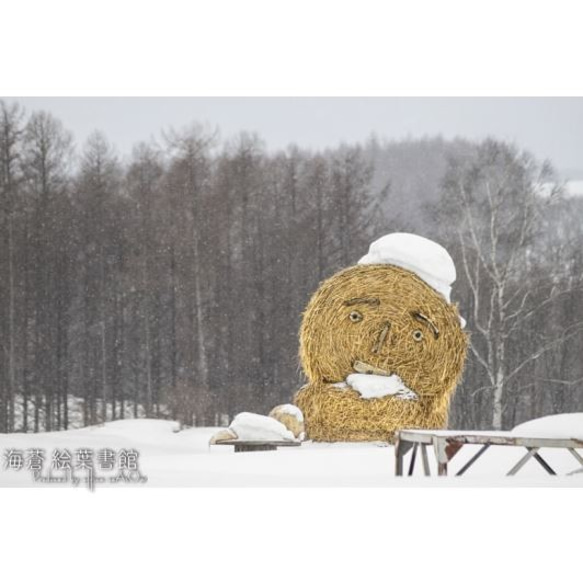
[{"x": 365, "y": 368}]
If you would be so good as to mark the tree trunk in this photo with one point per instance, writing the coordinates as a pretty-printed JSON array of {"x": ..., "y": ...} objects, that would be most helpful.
[
  {"x": 104, "y": 394},
  {"x": 498, "y": 396},
  {"x": 11, "y": 375}
]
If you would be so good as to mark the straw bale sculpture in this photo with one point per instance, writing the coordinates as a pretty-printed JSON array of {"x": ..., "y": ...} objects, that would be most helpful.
[{"x": 381, "y": 345}]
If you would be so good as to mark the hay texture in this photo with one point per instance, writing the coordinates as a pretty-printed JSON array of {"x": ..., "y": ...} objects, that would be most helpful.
[
  {"x": 291, "y": 417},
  {"x": 223, "y": 435},
  {"x": 384, "y": 320}
]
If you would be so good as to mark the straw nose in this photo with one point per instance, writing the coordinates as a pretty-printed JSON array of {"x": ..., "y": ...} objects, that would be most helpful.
[{"x": 381, "y": 337}]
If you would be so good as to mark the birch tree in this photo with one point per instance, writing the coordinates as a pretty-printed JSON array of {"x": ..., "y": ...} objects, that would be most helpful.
[
  {"x": 189, "y": 179},
  {"x": 492, "y": 205}
]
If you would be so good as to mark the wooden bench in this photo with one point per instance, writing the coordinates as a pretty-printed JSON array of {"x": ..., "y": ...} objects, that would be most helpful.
[
  {"x": 258, "y": 445},
  {"x": 447, "y": 443}
]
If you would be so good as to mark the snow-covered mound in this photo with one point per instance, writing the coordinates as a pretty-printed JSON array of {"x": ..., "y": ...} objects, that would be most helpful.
[
  {"x": 372, "y": 386},
  {"x": 426, "y": 258},
  {"x": 253, "y": 427},
  {"x": 564, "y": 426}
]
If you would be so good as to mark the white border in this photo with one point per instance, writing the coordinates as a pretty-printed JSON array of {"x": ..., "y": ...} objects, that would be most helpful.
[
  {"x": 296, "y": 535},
  {"x": 299, "y": 47},
  {"x": 291, "y": 48}
]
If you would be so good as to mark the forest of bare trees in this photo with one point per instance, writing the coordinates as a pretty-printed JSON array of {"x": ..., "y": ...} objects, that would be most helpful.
[{"x": 171, "y": 284}]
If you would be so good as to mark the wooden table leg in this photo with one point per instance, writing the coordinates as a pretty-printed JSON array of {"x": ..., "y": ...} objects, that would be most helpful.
[
  {"x": 473, "y": 459},
  {"x": 576, "y": 455},
  {"x": 439, "y": 446},
  {"x": 413, "y": 456},
  {"x": 401, "y": 448},
  {"x": 256, "y": 447},
  {"x": 531, "y": 452},
  {"x": 544, "y": 464},
  {"x": 425, "y": 459}
]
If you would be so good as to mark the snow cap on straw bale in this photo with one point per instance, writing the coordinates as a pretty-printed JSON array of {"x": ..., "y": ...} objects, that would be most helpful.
[
  {"x": 385, "y": 319},
  {"x": 426, "y": 258}
]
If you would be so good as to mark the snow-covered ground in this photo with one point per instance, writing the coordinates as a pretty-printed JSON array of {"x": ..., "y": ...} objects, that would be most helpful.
[{"x": 169, "y": 457}]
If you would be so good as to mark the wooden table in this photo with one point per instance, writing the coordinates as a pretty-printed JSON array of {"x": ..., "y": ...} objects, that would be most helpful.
[
  {"x": 446, "y": 444},
  {"x": 258, "y": 445}
]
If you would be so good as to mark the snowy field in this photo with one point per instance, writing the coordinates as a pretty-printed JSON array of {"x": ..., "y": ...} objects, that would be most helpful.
[{"x": 169, "y": 457}]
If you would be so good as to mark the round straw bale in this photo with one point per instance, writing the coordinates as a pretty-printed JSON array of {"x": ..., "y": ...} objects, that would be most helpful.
[
  {"x": 291, "y": 417},
  {"x": 379, "y": 319}
]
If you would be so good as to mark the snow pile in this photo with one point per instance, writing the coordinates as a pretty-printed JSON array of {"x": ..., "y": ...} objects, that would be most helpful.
[
  {"x": 254, "y": 427},
  {"x": 564, "y": 426},
  {"x": 427, "y": 259},
  {"x": 371, "y": 386}
]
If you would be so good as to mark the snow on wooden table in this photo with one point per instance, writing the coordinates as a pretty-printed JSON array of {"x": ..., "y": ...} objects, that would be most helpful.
[{"x": 447, "y": 443}]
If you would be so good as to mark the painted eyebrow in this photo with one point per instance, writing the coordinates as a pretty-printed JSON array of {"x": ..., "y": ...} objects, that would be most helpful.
[
  {"x": 355, "y": 301},
  {"x": 425, "y": 320}
]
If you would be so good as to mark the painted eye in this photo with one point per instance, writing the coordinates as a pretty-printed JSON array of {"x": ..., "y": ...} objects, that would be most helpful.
[
  {"x": 418, "y": 335},
  {"x": 355, "y": 316}
]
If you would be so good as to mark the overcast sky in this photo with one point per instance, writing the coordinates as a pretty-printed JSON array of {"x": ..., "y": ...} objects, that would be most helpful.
[{"x": 548, "y": 127}]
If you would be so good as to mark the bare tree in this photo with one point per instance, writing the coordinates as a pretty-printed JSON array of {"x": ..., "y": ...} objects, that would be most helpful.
[
  {"x": 99, "y": 185},
  {"x": 11, "y": 130},
  {"x": 492, "y": 205},
  {"x": 189, "y": 179},
  {"x": 143, "y": 181},
  {"x": 173, "y": 284},
  {"x": 46, "y": 160}
]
